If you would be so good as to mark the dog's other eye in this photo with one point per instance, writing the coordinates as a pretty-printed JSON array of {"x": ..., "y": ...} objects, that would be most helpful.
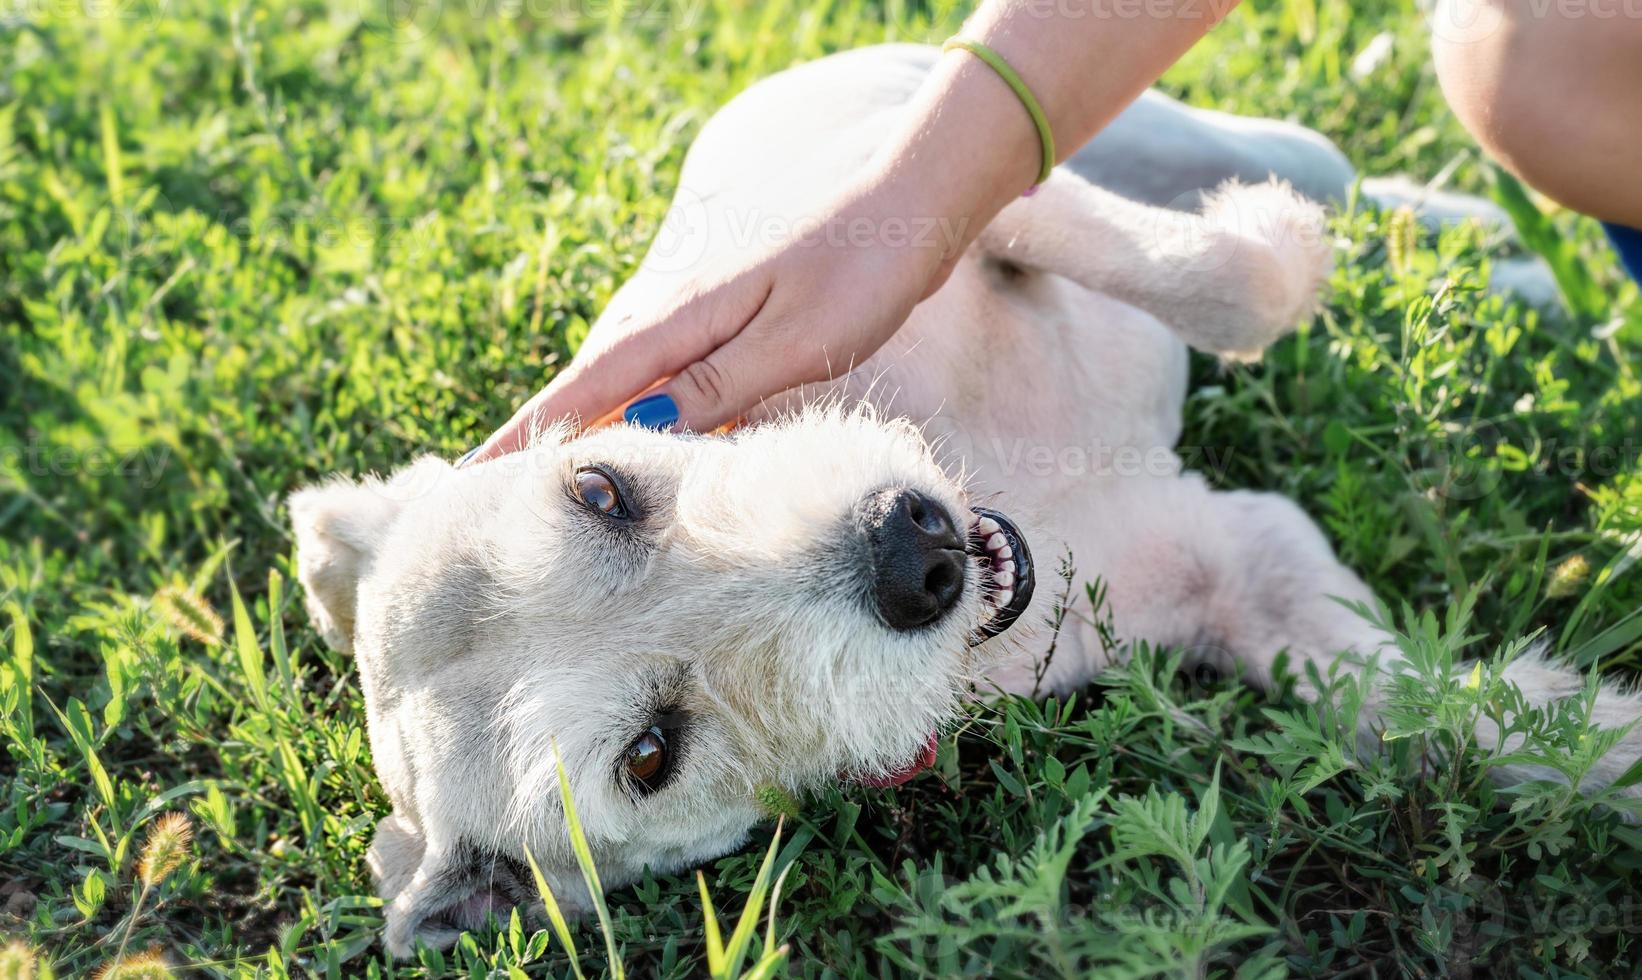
[
  {"x": 598, "y": 491},
  {"x": 646, "y": 760}
]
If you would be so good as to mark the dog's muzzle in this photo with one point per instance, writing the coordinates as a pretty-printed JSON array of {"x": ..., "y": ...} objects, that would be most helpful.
[
  {"x": 920, "y": 565},
  {"x": 920, "y": 562}
]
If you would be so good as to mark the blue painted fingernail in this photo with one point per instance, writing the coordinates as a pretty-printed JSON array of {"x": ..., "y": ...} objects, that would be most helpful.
[
  {"x": 467, "y": 456},
  {"x": 657, "y": 411}
]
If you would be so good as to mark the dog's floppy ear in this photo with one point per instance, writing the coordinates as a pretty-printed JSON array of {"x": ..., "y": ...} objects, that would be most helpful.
[
  {"x": 340, "y": 526},
  {"x": 432, "y": 894}
]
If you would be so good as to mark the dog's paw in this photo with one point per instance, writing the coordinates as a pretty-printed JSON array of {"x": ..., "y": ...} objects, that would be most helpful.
[{"x": 1278, "y": 255}]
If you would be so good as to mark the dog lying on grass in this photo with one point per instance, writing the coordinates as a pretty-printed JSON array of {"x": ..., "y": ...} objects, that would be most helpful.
[{"x": 685, "y": 619}]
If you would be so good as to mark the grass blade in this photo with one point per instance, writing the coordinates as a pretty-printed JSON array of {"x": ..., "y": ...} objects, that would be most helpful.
[
  {"x": 1611, "y": 640},
  {"x": 584, "y": 858},
  {"x": 250, "y": 652},
  {"x": 555, "y": 915},
  {"x": 22, "y": 662},
  {"x": 276, "y": 636},
  {"x": 747, "y": 926},
  {"x": 1579, "y": 289},
  {"x": 77, "y": 722},
  {"x": 766, "y": 966},
  {"x": 715, "y": 939},
  {"x": 770, "y": 948}
]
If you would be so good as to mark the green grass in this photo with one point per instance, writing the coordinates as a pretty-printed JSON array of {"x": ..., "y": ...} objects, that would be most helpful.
[{"x": 245, "y": 246}]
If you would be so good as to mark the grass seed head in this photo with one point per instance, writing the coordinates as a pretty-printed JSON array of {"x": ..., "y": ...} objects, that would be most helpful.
[
  {"x": 189, "y": 614},
  {"x": 1401, "y": 239},
  {"x": 167, "y": 848},
  {"x": 143, "y": 966},
  {"x": 1567, "y": 578},
  {"x": 17, "y": 961},
  {"x": 776, "y": 801}
]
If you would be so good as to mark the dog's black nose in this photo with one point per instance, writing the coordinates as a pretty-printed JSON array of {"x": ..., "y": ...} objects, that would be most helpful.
[{"x": 917, "y": 557}]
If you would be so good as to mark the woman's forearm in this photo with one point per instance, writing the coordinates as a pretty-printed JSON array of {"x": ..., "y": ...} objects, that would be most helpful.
[{"x": 970, "y": 146}]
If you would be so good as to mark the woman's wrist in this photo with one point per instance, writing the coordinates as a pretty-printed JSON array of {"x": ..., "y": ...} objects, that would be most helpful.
[{"x": 969, "y": 148}]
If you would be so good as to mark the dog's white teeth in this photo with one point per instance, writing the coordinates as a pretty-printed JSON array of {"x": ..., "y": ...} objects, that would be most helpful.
[{"x": 998, "y": 565}]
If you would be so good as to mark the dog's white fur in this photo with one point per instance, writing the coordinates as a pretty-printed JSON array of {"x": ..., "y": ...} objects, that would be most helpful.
[{"x": 494, "y": 618}]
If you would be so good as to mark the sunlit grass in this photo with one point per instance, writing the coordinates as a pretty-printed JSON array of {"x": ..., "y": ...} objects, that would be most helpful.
[{"x": 246, "y": 245}]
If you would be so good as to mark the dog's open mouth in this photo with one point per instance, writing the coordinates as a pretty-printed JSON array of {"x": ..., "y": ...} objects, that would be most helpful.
[
  {"x": 999, "y": 548},
  {"x": 1005, "y": 563}
]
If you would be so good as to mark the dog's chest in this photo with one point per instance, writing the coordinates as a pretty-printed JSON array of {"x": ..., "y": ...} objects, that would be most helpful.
[{"x": 1041, "y": 389}]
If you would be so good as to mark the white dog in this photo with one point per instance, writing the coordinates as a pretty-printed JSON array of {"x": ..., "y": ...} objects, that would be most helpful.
[{"x": 688, "y": 618}]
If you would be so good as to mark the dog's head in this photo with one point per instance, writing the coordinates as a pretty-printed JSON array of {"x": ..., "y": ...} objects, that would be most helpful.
[{"x": 683, "y": 619}]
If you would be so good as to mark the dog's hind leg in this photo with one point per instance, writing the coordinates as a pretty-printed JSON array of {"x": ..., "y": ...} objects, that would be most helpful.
[
  {"x": 1544, "y": 681},
  {"x": 1234, "y": 578},
  {"x": 1229, "y": 280},
  {"x": 1237, "y": 578}
]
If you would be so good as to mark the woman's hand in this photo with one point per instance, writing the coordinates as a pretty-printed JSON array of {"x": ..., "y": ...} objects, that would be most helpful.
[{"x": 807, "y": 310}]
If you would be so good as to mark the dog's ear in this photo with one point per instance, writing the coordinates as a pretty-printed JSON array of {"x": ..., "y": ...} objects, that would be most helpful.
[
  {"x": 340, "y": 526},
  {"x": 432, "y": 894}
]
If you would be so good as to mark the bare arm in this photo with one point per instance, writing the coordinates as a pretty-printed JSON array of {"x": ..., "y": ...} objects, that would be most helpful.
[{"x": 734, "y": 337}]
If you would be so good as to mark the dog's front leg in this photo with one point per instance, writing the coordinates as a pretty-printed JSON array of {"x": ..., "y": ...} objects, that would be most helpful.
[{"x": 1229, "y": 280}]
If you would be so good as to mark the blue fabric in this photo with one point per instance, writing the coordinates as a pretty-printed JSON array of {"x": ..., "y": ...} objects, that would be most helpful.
[{"x": 1628, "y": 243}]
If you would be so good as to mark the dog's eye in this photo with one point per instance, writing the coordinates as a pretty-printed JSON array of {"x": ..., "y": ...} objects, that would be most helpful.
[
  {"x": 598, "y": 491},
  {"x": 646, "y": 760}
]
